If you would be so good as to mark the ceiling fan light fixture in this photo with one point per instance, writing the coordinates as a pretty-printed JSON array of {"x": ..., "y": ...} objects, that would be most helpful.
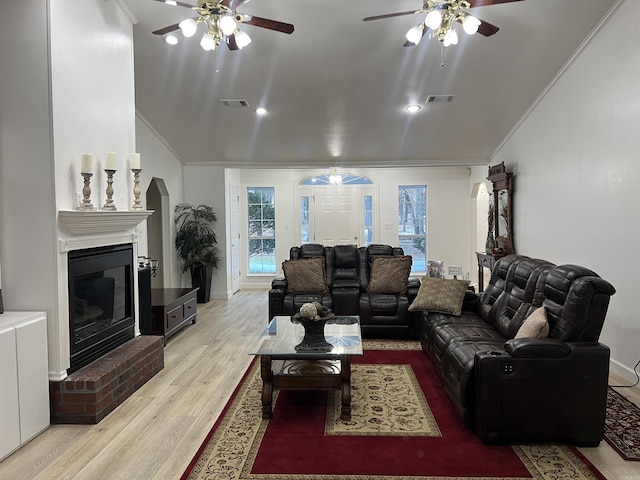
[
  {"x": 242, "y": 39},
  {"x": 207, "y": 43},
  {"x": 227, "y": 24},
  {"x": 414, "y": 35},
  {"x": 188, "y": 27},
  {"x": 470, "y": 24},
  {"x": 172, "y": 38},
  {"x": 450, "y": 38},
  {"x": 433, "y": 19}
]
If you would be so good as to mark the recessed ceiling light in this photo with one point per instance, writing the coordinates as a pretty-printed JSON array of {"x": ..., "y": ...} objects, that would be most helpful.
[
  {"x": 413, "y": 108},
  {"x": 261, "y": 111}
]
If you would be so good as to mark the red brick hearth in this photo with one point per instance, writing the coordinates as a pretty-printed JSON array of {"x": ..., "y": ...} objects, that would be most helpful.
[{"x": 91, "y": 393}]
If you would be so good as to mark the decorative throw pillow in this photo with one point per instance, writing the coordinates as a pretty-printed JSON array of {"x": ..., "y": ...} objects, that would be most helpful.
[
  {"x": 390, "y": 275},
  {"x": 305, "y": 275},
  {"x": 535, "y": 325},
  {"x": 442, "y": 295}
]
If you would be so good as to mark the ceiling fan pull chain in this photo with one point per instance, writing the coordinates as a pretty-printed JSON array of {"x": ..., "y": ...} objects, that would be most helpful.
[{"x": 442, "y": 55}]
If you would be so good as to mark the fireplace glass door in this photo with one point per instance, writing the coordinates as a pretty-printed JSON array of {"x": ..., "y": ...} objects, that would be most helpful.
[{"x": 100, "y": 301}]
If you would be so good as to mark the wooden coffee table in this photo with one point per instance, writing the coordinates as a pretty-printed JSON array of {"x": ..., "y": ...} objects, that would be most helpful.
[{"x": 283, "y": 368}]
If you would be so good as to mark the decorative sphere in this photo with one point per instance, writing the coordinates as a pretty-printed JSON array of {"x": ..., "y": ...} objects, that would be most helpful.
[{"x": 308, "y": 310}]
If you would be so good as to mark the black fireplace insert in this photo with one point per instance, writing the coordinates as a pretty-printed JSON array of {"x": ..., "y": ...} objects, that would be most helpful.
[{"x": 101, "y": 294}]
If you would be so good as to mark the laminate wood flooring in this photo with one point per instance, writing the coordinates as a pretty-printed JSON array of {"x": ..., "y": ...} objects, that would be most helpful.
[{"x": 155, "y": 433}]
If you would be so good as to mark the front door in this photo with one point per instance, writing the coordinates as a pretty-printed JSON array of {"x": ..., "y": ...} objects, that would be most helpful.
[{"x": 335, "y": 214}]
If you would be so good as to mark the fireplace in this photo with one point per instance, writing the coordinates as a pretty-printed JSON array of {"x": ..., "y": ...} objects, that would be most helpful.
[{"x": 101, "y": 299}]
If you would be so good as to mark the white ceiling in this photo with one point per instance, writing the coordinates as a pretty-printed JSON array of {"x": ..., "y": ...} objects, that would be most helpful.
[{"x": 336, "y": 88}]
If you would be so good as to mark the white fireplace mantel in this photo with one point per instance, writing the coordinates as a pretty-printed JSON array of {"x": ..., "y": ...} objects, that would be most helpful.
[
  {"x": 78, "y": 222},
  {"x": 88, "y": 229}
]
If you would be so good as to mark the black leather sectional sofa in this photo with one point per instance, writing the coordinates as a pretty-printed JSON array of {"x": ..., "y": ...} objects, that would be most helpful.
[
  {"x": 526, "y": 390},
  {"x": 347, "y": 272}
]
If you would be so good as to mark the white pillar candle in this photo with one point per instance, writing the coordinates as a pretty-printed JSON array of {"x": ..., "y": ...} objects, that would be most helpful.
[
  {"x": 135, "y": 161},
  {"x": 86, "y": 163},
  {"x": 110, "y": 161}
]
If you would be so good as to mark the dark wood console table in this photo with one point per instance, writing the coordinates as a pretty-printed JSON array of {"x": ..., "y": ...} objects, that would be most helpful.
[
  {"x": 485, "y": 260},
  {"x": 173, "y": 308}
]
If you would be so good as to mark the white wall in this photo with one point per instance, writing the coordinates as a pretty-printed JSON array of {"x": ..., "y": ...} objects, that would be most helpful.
[
  {"x": 27, "y": 202},
  {"x": 206, "y": 185},
  {"x": 577, "y": 172},
  {"x": 157, "y": 160},
  {"x": 93, "y": 97}
]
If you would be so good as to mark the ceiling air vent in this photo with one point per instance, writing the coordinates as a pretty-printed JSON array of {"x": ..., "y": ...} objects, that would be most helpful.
[
  {"x": 440, "y": 98},
  {"x": 230, "y": 102}
]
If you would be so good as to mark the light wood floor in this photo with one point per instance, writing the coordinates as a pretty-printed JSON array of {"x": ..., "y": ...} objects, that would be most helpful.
[{"x": 156, "y": 432}]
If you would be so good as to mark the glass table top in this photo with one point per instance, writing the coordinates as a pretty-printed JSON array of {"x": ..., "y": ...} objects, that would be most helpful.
[{"x": 282, "y": 335}]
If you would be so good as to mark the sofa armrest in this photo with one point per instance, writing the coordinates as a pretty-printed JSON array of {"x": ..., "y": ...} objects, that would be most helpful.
[
  {"x": 550, "y": 398},
  {"x": 276, "y": 297},
  {"x": 537, "y": 348}
]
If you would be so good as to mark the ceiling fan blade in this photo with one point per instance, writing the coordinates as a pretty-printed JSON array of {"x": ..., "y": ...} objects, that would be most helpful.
[
  {"x": 180, "y": 4},
  {"x": 484, "y": 3},
  {"x": 487, "y": 29},
  {"x": 233, "y": 4},
  {"x": 230, "y": 40},
  {"x": 168, "y": 29},
  {"x": 388, "y": 15},
  {"x": 267, "y": 23}
]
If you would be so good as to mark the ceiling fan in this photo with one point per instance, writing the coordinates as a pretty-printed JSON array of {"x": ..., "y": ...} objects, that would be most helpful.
[
  {"x": 441, "y": 15},
  {"x": 221, "y": 22}
]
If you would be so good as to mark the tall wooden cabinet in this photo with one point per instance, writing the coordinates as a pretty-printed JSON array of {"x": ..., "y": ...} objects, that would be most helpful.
[{"x": 24, "y": 367}]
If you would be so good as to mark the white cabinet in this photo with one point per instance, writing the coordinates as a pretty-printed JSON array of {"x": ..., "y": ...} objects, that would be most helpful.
[{"x": 24, "y": 398}]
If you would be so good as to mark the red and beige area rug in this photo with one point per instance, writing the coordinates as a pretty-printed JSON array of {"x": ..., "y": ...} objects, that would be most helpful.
[
  {"x": 622, "y": 426},
  {"x": 403, "y": 427}
]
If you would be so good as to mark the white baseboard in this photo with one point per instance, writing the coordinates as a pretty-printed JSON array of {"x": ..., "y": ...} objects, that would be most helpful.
[{"x": 623, "y": 371}]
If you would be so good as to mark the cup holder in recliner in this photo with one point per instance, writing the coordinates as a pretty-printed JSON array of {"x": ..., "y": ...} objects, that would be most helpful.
[{"x": 494, "y": 353}]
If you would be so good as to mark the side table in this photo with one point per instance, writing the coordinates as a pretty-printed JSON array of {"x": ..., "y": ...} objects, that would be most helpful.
[
  {"x": 173, "y": 309},
  {"x": 485, "y": 260}
]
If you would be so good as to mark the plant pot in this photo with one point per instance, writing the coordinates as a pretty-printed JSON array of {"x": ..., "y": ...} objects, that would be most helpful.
[{"x": 201, "y": 278}]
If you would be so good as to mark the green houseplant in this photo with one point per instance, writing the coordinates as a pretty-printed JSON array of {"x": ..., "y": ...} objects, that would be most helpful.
[{"x": 197, "y": 245}]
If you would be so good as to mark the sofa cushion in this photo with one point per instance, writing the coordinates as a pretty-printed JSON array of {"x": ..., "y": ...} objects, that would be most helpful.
[
  {"x": 390, "y": 275},
  {"x": 442, "y": 295},
  {"x": 305, "y": 275},
  {"x": 535, "y": 325}
]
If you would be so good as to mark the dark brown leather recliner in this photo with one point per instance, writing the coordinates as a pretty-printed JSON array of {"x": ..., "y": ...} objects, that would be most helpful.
[
  {"x": 527, "y": 390},
  {"x": 287, "y": 303},
  {"x": 385, "y": 315}
]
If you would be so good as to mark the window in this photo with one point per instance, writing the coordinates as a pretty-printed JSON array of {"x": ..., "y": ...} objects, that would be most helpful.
[
  {"x": 262, "y": 230},
  {"x": 412, "y": 223},
  {"x": 304, "y": 219},
  {"x": 367, "y": 210}
]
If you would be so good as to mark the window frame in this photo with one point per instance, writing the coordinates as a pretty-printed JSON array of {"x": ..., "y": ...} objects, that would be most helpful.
[{"x": 270, "y": 223}]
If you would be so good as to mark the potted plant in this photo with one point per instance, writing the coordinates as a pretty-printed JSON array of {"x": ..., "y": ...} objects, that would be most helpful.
[{"x": 197, "y": 245}]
